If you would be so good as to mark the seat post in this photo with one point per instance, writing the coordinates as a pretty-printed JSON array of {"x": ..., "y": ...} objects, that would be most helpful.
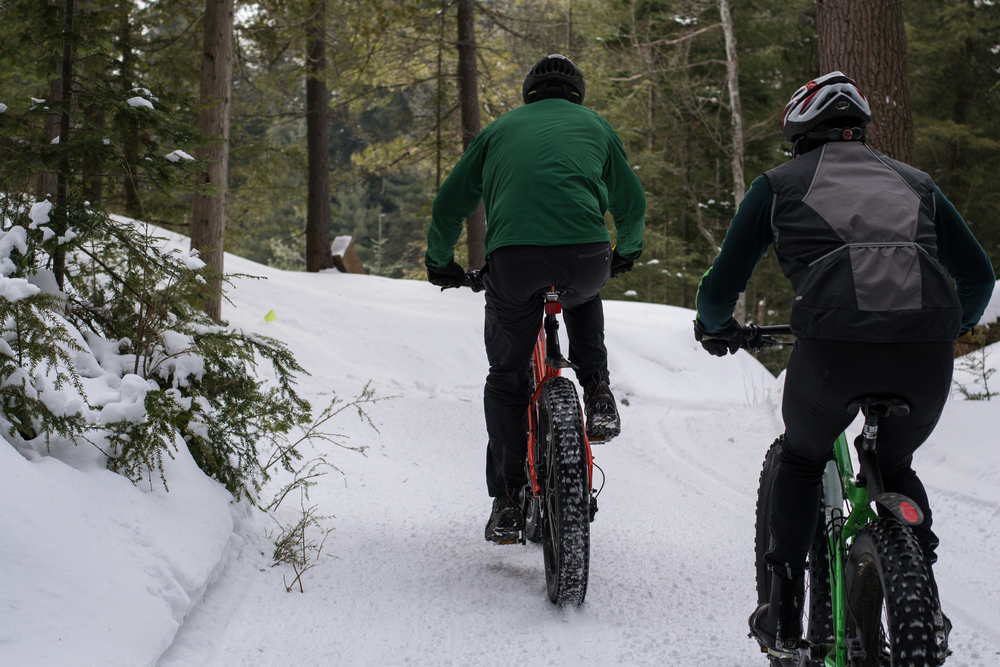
[
  {"x": 869, "y": 433},
  {"x": 552, "y": 308},
  {"x": 866, "y": 452}
]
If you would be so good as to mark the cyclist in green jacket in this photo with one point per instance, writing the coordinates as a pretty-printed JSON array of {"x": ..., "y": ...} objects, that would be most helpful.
[{"x": 546, "y": 172}]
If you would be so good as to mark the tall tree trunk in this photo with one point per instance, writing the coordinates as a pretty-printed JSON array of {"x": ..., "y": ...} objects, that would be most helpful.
[
  {"x": 93, "y": 181},
  {"x": 866, "y": 40},
  {"x": 318, "y": 256},
  {"x": 93, "y": 185},
  {"x": 62, "y": 181},
  {"x": 208, "y": 218},
  {"x": 439, "y": 98},
  {"x": 468, "y": 93},
  {"x": 47, "y": 183},
  {"x": 736, "y": 107},
  {"x": 130, "y": 147}
]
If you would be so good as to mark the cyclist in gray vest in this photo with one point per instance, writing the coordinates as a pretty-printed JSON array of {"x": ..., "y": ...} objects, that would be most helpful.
[{"x": 870, "y": 246}]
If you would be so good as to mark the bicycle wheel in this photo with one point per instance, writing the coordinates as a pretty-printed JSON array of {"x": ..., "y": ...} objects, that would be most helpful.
[
  {"x": 566, "y": 497},
  {"x": 818, "y": 623},
  {"x": 889, "y": 597}
]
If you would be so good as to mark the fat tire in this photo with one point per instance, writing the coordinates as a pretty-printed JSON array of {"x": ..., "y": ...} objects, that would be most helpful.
[
  {"x": 818, "y": 623},
  {"x": 566, "y": 494},
  {"x": 890, "y": 597}
]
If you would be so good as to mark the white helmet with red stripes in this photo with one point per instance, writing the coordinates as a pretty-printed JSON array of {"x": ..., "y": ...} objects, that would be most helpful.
[{"x": 831, "y": 96}]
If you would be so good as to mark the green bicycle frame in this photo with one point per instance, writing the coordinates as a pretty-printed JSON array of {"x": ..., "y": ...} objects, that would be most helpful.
[{"x": 839, "y": 485}]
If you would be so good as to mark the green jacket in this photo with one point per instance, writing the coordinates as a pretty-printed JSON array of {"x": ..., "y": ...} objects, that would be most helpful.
[{"x": 546, "y": 172}]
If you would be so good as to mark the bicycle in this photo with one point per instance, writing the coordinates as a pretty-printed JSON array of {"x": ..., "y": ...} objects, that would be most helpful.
[
  {"x": 558, "y": 503},
  {"x": 870, "y": 602}
]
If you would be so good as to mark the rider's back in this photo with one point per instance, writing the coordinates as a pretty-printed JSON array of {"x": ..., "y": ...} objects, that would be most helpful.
[
  {"x": 545, "y": 162},
  {"x": 854, "y": 232},
  {"x": 548, "y": 172}
]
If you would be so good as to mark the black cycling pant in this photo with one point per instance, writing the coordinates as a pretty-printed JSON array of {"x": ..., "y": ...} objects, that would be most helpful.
[
  {"x": 515, "y": 277},
  {"x": 823, "y": 376}
]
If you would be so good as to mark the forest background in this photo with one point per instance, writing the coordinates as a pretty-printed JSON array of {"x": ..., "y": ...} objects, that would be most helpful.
[{"x": 657, "y": 70}]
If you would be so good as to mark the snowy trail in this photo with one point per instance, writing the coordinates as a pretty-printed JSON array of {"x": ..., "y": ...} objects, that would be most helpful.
[{"x": 409, "y": 579}]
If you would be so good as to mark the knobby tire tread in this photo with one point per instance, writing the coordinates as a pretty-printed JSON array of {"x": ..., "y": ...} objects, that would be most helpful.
[
  {"x": 885, "y": 564},
  {"x": 566, "y": 512}
]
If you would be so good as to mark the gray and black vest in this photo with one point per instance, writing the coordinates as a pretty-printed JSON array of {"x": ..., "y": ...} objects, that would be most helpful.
[{"x": 854, "y": 233}]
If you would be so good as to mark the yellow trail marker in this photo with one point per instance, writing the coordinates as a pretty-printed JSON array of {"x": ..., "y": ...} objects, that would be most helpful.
[{"x": 270, "y": 317}]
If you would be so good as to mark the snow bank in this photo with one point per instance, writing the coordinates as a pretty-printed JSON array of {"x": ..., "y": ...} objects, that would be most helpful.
[{"x": 98, "y": 571}]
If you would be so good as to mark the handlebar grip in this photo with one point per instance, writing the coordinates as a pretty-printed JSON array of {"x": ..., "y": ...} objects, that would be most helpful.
[
  {"x": 757, "y": 338},
  {"x": 474, "y": 281}
]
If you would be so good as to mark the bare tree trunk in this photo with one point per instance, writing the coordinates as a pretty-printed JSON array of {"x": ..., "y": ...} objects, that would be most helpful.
[
  {"x": 736, "y": 107},
  {"x": 866, "y": 40},
  {"x": 47, "y": 183},
  {"x": 439, "y": 98},
  {"x": 130, "y": 147},
  {"x": 93, "y": 180},
  {"x": 318, "y": 256},
  {"x": 62, "y": 180},
  {"x": 468, "y": 93},
  {"x": 208, "y": 218}
]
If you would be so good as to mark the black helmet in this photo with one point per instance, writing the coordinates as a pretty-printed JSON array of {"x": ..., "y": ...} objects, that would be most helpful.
[
  {"x": 554, "y": 69},
  {"x": 831, "y": 96}
]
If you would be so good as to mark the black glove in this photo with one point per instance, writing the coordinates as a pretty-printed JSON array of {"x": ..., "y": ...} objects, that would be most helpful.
[
  {"x": 718, "y": 344},
  {"x": 452, "y": 275},
  {"x": 619, "y": 264}
]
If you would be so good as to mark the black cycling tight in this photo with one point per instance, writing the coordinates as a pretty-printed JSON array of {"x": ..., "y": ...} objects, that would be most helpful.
[{"x": 823, "y": 376}]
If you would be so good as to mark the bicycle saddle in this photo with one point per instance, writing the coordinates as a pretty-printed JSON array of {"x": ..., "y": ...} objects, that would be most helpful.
[{"x": 894, "y": 407}]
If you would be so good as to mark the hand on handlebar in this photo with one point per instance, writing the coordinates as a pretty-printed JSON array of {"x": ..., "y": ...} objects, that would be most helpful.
[
  {"x": 732, "y": 338},
  {"x": 452, "y": 275},
  {"x": 719, "y": 344},
  {"x": 620, "y": 264}
]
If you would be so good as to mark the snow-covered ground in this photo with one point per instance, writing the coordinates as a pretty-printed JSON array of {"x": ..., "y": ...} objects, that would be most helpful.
[{"x": 98, "y": 572}]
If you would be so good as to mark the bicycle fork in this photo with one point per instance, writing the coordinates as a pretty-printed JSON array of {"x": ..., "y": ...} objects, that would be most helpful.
[
  {"x": 839, "y": 484},
  {"x": 845, "y": 650},
  {"x": 547, "y": 363}
]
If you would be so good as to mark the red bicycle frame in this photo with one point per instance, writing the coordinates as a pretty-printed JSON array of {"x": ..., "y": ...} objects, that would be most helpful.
[{"x": 542, "y": 371}]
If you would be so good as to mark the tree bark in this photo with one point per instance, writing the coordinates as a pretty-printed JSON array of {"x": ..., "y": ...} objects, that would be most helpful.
[
  {"x": 866, "y": 40},
  {"x": 318, "y": 256},
  {"x": 62, "y": 181},
  {"x": 468, "y": 93},
  {"x": 130, "y": 142},
  {"x": 208, "y": 218},
  {"x": 47, "y": 183},
  {"x": 736, "y": 114}
]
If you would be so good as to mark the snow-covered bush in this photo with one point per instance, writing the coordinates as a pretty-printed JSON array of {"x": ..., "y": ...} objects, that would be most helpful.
[
  {"x": 103, "y": 341},
  {"x": 132, "y": 305}
]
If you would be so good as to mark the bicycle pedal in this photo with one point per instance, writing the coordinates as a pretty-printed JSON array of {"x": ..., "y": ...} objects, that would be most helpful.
[
  {"x": 776, "y": 653},
  {"x": 508, "y": 537}
]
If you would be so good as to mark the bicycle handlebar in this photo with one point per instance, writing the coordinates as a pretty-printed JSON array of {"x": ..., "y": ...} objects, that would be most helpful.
[
  {"x": 757, "y": 338},
  {"x": 472, "y": 281}
]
